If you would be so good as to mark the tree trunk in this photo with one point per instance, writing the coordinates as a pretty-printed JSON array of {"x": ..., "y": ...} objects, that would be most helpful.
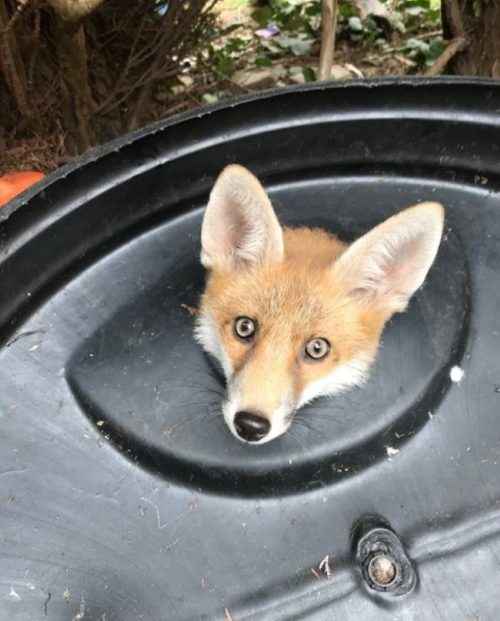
[
  {"x": 72, "y": 57},
  {"x": 76, "y": 95},
  {"x": 479, "y": 21},
  {"x": 12, "y": 67}
]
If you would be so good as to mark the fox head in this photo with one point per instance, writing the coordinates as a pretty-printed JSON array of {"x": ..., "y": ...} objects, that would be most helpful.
[{"x": 294, "y": 314}]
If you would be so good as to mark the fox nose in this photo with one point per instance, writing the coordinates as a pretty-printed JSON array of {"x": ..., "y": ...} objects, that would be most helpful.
[{"x": 251, "y": 427}]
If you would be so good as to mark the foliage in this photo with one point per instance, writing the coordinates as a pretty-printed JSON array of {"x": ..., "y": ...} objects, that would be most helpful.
[
  {"x": 299, "y": 24},
  {"x": 422, "y": 52}
]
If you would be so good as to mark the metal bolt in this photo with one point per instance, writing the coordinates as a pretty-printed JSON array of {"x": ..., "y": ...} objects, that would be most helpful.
[
  {"x": 382, "y": 570},
  {"x": 382, "y": 559}
]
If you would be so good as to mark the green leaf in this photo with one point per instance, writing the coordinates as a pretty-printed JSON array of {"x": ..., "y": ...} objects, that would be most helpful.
[
  {"x": 210, "y": 98},
  {"x": 168, "y": 85},
  {"x": 355, "y": 24},
  {"x": 286, "y": 8},
  {"x": 371, "y": 38},
  {"x": 399, "y": 26},
  {"x": 309, "y": 74},
  {"x": 262, "y": 16},
  {"x": 225, "y": 65},
  {"x": 270, "y": 45},
  {"x": 436, "y": 48},
  {"x": 295, "y": 45},
  {"x": 313, "y": 9},
  {"x": 235, "y": 44},
  {"x": 231, "y": 28},
  {"x": 262, "y": 61},
  {"x": 416, "y": 44},
  {"x": 346, "y": 11},
  {"x": 415, "y": 10},
  {"x": 294, "y": 22},
  {"x": 425, "y": 4}
]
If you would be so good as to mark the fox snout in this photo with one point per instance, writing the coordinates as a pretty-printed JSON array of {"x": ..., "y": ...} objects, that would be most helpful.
[
  {"x": 259, "y": 402},
  {"x": 251, "y": 426},
  {"x": 294, "y": 314}
]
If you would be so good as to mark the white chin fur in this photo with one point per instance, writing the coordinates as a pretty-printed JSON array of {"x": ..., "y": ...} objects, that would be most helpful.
[{"x": 348, "y": 375}]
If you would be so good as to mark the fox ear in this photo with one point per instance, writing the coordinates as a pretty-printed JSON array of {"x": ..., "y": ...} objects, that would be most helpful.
[
  {"x": 240, "y": 226},
  {"x": 387, "y": 265}
]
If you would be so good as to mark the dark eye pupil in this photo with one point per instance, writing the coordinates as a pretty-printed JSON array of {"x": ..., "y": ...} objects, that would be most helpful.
[
  {"x": 317, "y": 349},
  {"x": 244, "y": 327}
]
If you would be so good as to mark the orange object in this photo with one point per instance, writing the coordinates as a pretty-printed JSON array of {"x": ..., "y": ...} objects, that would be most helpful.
[{"x": 15, "y": 183}]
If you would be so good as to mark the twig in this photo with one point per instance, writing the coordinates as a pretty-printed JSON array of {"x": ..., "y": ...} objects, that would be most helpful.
[
  {"x": 404, "y": 61},
  {"x": 224, "y": 77},
  {"x": 125, "y": 70},
  {"x": 428, "y": 35},
  {"x": 452, "y": 49},
  {"x": 35, "y": 42},
  {"x": 21, "y": 5},
  {"x": 174, "y": 109},
  {"x": 328, "y": 28}
]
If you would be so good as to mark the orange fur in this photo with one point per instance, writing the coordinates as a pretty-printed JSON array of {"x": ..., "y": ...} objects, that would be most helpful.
[
  {"x": 296, "y": 286},
  {"x": 293, "y": 301}
]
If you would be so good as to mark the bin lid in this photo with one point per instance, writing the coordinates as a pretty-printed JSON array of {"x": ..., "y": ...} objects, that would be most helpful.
[{"x": 123, "y": 494}]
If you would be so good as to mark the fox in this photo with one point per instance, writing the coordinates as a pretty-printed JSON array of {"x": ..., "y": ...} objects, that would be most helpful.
[{"x": 293, "y": 314}]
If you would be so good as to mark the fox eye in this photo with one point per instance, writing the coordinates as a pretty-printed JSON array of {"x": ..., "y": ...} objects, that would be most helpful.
[
  {"x": 244, "y": 328},
  {"x": 317, "y": 349}
]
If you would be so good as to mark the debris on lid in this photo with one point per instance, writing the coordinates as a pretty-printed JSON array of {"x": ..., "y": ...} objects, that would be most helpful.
[
  {"x": 391, "y": 451},
  {"x": 193, "y": 312},
  {"x": 456, "y": 374},
  {"x": 324, "y": 566}
]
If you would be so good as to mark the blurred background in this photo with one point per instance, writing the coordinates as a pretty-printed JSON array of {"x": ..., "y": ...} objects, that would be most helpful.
[{"x": 77, "y": 73}]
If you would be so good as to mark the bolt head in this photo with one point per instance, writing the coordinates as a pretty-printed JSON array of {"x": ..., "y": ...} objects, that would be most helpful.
[{"x": 382, "y": 570}]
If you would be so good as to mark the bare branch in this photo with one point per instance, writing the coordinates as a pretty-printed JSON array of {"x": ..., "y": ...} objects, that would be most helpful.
[
  {"x": 452, "y": 49},
  {"x": 328, "y": 28}
]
